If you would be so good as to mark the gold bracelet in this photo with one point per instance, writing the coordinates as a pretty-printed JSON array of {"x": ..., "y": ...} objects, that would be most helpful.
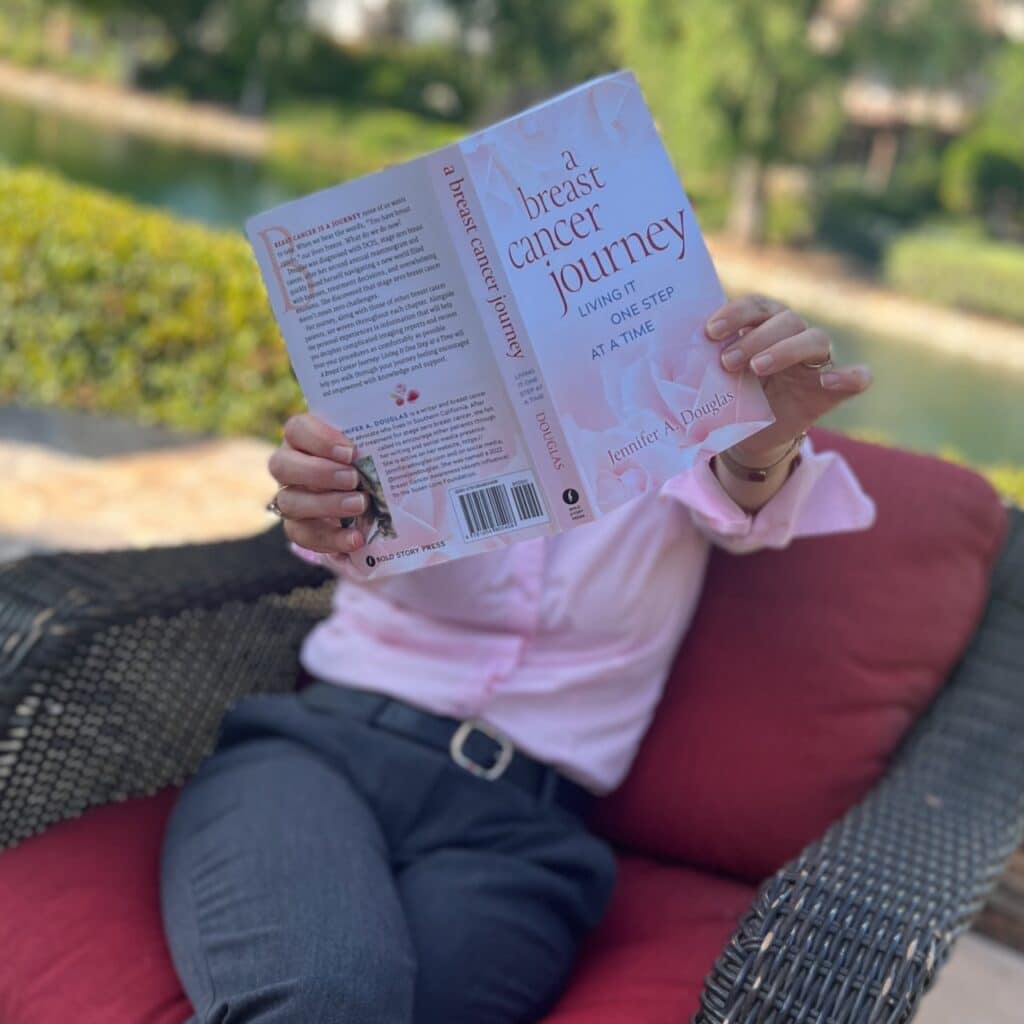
[{"x": 759, "y": 474}]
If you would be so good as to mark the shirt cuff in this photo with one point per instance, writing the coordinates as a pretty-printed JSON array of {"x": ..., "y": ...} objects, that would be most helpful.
[
  {"x": 821, "y": 496},
  {"x": 338, "y": 564}
]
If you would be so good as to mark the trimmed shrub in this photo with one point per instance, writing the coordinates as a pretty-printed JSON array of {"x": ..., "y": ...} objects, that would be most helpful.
[
  {"x": 959, "y": 269},
  {"x": 111, "y": 307}
]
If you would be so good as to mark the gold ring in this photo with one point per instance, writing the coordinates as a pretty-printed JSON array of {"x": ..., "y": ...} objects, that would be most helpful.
[{"x": 827, "y": 361}]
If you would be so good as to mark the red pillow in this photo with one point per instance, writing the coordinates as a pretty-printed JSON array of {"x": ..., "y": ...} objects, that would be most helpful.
[
  {"x": 804, "y": 668},
  {"x": 82, "y": 940}
]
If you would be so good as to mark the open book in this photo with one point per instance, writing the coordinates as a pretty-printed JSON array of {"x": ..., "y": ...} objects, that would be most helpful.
[{"x": 510, "y": 329}]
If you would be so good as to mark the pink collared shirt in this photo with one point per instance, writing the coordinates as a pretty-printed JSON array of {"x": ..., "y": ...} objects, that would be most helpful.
[{"x": 565, "y": 643}]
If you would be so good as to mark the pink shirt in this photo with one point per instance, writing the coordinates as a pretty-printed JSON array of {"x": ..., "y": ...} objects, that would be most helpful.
[{"x": 565, "y": 642}]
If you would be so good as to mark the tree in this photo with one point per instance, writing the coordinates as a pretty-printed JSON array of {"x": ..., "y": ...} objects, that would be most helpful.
[
  {"x": 525, "y": 50},
  {"x": 935, "y": 45},
  {"x": 983, "y": 171},
  {"x": 736, "y": 87},
  {"x": 248, "y": 40}
]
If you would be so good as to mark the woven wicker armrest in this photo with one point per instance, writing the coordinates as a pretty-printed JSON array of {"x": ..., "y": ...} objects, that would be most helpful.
[
  {"x": 116, "y": 667},
  {"x": 855, "y": 930}
]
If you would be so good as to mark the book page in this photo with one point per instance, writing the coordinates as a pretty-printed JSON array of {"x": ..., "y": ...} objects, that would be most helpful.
[
  {"x": 604, "y": 256},
  {"x": 388, "y": 346}
]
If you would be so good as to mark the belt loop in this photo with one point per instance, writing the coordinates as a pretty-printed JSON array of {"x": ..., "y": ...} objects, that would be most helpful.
[
  {"x": 548, "y": 785},
  {"x": 382, "y": 705}
]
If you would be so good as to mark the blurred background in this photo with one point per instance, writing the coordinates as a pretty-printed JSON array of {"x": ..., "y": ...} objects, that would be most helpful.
[
  {"x": 863, "y": 159},
  {"x": 860, "y": 159}
]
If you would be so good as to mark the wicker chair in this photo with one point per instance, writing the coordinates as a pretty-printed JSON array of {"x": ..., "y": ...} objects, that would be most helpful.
[{"x": 114, "y": 675}]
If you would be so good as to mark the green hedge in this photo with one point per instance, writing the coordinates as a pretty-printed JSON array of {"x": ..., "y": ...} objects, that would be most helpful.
[
  {"x": 959, "y": 268},
  {"x": 108, "y": 306}
]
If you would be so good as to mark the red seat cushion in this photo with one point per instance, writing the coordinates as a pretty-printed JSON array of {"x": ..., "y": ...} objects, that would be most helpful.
[
  {"x": 82, "y": 939},
  {"x": 805, "y": 667},
  {"x": 647, "y": 962}
]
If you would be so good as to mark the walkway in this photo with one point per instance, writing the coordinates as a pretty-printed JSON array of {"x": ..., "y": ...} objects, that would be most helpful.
[
  {"x": 818, "y": 285},
  {"x": 200, "y": 125}
]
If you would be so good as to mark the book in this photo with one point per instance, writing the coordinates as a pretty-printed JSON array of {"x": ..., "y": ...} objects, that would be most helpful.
[{"x": 510, "y": 329}]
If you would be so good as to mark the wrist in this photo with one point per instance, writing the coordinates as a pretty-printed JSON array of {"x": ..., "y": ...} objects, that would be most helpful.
[
  {"x": 765, "y": 458},
  {"x": 770, "y": 463}
]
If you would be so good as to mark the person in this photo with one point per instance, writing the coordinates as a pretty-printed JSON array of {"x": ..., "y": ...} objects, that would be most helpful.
[{"x": 403, "y": 840}]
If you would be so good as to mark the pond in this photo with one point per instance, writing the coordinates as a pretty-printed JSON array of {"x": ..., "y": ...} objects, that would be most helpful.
[{"x": 921, "y": 399}]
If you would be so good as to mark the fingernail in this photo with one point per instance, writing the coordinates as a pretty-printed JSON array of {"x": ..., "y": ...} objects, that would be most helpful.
[
  {"x": 346, "y": 479},
  {"x": 732, "y": 358},
  {"x": 354, "y": 539},
  {"x": 762, "y": 363},
  {"x": 716, "y": 328},
  {"x": 342, "y": 452},
  {"x": 353, "y": 505},
  {"x": 831, "y": 380}
]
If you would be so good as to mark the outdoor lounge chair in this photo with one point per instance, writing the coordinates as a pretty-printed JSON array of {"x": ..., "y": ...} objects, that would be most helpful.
[{"x": 815, "y": 816}]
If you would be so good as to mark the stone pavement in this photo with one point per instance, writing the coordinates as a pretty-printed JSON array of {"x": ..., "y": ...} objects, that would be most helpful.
[{"x": 177, "y": 491}]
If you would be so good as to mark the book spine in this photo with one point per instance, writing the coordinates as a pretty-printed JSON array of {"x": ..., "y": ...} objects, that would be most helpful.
[{"x": 569, "y": 502}]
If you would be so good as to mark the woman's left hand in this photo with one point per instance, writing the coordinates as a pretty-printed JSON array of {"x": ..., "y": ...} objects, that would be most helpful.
[{"x": 777, "y": 345}]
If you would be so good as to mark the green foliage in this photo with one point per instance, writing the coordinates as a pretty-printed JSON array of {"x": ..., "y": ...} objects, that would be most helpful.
[
  {"x": 316, "y": 145},
  {"x": 789, "y": 218},
  {"x": 928, "y": 43},
  {"x": 114, "y": 308},
  {"x": 983, "y": 171},
  {"x": 863, "y": 221},
  {"x": 1008, "y": 481},
  {"x": 959, "y": 268},
  {"x": 728, "y": 81},
  {"x": 37, "y": 33},
  {"x": 536, "y": 48}
]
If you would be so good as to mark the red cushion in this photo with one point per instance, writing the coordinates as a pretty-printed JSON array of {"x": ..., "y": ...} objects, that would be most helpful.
[
  {"x": 805, "y": 667},
  {"x": 647, "y": 962},
  {"x": 82, "y": 939}
]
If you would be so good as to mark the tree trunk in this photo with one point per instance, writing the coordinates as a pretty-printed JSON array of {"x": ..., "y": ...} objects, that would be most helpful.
[
  {"x": 746, "y": 212},
  {"x": 885, "y": 146}
]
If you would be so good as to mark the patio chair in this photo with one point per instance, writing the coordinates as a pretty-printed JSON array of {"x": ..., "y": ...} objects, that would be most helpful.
[{"x": 813, "y": 819}]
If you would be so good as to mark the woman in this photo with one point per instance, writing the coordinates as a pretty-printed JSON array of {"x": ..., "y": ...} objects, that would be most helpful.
[{"x": 403, "y": 840}]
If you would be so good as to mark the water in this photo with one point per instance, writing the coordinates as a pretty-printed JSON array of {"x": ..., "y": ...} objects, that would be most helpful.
[
  {"x": 930, "y": 401},
  {"x": 211, "y": 187},
  {"x": 921, "y": 399}
]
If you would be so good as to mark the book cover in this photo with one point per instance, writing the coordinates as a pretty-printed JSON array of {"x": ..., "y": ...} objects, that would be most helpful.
[{"x": 510, "y": 329}]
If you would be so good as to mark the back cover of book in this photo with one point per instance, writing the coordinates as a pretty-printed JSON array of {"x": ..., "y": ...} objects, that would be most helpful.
[{"x": 510, "y": 329}]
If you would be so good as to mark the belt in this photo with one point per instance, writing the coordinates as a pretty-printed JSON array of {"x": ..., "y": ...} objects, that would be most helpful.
[{"x": 472, "y": 744}]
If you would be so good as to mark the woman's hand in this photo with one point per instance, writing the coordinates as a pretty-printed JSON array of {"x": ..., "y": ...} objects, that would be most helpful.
[
  {"x": 777, "y": 344},
  {"x": 313, "y": 465}
]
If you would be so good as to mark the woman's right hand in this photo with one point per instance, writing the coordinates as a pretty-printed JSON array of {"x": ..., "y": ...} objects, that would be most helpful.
[{"x": 318, "y": 483}]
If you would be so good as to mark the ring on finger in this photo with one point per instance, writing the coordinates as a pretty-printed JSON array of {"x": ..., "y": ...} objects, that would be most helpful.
[
  {"x": 824, "y": 364},
  {"x": 272, "y": 505}
]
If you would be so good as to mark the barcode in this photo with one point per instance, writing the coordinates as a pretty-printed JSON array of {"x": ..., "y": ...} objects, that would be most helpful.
[
  {"x": 527, "y": 503},
  {"x": 507, "y": 503},
  {"x": 487, "y": 509}
]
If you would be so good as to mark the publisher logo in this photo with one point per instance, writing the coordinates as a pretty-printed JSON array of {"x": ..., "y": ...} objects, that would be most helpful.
[
  {"x": 570, "y": 496},
  {"x": 371, "y": 561}
]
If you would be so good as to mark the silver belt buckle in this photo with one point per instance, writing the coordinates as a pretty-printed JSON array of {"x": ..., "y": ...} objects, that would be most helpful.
[{"x": 466, "y": 728}]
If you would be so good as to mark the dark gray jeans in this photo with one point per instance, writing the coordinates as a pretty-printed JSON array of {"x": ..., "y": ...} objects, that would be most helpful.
[{"x": 320, "y": 870}]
